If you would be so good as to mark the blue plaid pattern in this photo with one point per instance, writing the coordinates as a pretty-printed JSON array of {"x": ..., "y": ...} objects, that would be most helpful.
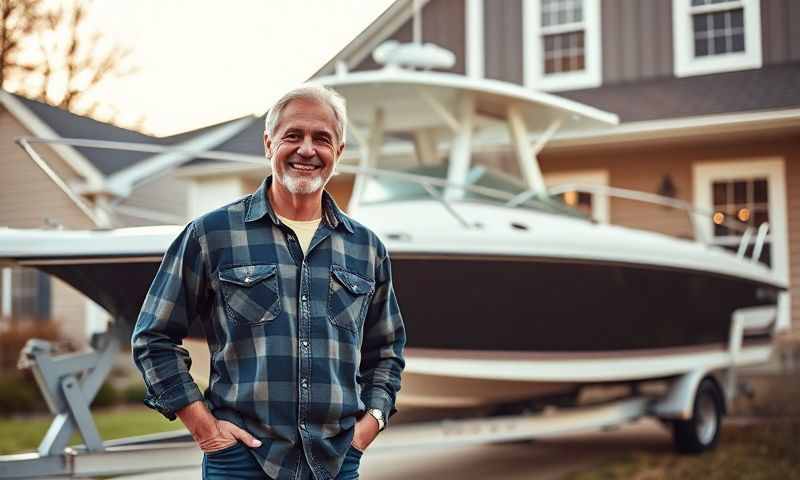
[{"x": 300, "y": 346}]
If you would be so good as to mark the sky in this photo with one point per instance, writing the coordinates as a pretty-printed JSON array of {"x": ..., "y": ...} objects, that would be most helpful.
[{"x": 201, "y": 62}]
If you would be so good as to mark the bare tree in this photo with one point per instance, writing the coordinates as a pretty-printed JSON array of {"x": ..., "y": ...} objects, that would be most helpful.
[{"x": 47, "y": 52}]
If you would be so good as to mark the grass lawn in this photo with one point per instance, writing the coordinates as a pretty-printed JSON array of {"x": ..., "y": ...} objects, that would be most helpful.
[
  {"x": 769, "y": 450},
  {"x": 20, "y": 435}
]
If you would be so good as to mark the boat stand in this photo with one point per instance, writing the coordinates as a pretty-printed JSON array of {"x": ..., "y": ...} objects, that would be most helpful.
[{"x": 69, "y": 383}]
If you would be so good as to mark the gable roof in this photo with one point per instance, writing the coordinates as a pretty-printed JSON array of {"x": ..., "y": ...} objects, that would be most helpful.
[
  {"x": 110, "y": 162},
  {"x": 69, "y": 125}
]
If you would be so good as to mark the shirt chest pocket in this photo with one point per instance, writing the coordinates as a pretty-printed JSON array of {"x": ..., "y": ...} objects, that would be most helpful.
[
  {"x": 250, "y": 293},
  {"x": 348, "y": 298}
]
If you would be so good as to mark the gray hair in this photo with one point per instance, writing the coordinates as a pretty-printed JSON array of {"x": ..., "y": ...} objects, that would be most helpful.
[{"x": 310, "y": 91}]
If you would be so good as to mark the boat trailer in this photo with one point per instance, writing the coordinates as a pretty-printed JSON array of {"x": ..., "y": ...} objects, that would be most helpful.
[{"x": 69, "y": 382}]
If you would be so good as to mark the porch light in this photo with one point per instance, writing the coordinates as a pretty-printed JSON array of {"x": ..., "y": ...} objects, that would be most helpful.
[
  {"x": 743, "y": 214},
  {"x": 719, "y": 217}
]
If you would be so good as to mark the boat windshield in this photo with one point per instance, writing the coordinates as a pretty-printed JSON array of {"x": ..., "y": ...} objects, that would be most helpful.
[{"x": 391, "y": 189}]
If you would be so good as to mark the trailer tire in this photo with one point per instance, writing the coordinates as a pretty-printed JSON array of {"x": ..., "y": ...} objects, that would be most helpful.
[{"x": 701, "y": 432}]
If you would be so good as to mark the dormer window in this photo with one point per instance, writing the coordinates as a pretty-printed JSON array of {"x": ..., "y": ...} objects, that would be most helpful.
[
  {"x": 716, "y": 36},
  {"x": 562, "y": 44}
]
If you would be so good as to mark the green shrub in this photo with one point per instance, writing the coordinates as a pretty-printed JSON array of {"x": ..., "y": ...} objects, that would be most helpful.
[
  {"x": 17, "y": 332},
  {"x": 19, "y": 394},
  {"x": 134, "y": 393},
  {"x": 106, "y": 396}
]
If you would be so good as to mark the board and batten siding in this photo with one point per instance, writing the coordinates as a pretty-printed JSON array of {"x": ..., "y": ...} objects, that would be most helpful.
[
  {"x": 443, "y": 23},
  {"x": 780, "y": 31},
  {"x": 502, "y": 38},
  {"x": 637, "y": 40}
]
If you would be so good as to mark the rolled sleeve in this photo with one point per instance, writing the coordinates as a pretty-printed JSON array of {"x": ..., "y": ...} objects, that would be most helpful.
[
  {"x": 176, "y": 296},
  {"x": 382, "y": 359}
]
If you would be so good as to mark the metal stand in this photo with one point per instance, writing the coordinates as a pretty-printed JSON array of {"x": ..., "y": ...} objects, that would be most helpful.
[{"x": 69, "y": 383}]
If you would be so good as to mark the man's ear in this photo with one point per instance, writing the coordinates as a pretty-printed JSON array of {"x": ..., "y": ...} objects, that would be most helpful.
[
  {"x": 339, "y": 151},
  {"x": 267, "y": 145}
]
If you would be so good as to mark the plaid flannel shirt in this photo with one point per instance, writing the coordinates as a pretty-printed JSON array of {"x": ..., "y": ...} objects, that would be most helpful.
[{"x": 300, "y": 346}]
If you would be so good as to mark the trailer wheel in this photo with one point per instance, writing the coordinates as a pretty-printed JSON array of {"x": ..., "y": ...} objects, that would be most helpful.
[{"x": 701, "y": 432}]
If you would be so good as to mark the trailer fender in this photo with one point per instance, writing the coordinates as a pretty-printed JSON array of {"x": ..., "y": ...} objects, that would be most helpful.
[{"x": 678, "y": 403}]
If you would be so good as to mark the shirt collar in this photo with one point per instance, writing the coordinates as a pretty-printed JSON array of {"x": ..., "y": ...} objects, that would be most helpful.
[{"x": 258, "y": 207}]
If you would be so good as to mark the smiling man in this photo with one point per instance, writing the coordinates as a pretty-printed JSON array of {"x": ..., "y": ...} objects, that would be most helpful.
[{"x": 297, "y": 304}]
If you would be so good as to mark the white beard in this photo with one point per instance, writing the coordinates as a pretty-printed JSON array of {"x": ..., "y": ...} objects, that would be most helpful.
[{"x": 299, "y": 184}]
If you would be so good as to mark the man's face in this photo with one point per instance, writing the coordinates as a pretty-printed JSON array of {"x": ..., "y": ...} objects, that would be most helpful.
[{"x": 303, "y": 148}]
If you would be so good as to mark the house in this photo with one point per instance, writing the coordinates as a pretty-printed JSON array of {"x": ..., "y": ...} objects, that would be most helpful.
[{"x": 707, "y": 91}]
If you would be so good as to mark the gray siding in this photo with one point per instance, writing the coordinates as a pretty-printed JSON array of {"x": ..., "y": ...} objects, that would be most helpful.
[
  {"x": 502, "y": 26},
  {"x": 780, "y": 31},
  {"x": 443, "y": 23},
  {"x": 637, "y": 40}
]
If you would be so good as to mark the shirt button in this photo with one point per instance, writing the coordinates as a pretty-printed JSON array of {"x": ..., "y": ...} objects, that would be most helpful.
[
  {"x": 304, "y": 298},
  {"x": 305, "y": 344},
  {"x": 304, "y": 383}
]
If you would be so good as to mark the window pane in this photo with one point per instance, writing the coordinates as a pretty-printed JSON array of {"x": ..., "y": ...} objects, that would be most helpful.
[
  {"x": 739, "y": 192},
  {"x": 564, "y": 52},
  {"x": 718, "y": 32},
  {"x": 559, "y": 12},
  {"x": 760, "y": 216},
  {"x": 700, "y": 48},
  {"x": 760, "y": 191},
  {"x": 719, "y": 194},
  {"x": 738, "y": 43},
  {"x": 736, "y": 18}
]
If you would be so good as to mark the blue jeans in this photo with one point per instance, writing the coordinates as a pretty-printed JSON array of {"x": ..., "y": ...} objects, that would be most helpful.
[{"x": 237, "y": 463}]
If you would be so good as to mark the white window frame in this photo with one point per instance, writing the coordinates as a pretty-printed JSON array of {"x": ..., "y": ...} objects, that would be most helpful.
[
  {"x": 704, "y": 175},
  {"x": 533, "y": 61},
  {"x": 684, "y": 62},
  {"x": 600, "y": 211}
]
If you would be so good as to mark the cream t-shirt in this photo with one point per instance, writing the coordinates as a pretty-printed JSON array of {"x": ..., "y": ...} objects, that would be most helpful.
[{"x": 304, "y": 229}]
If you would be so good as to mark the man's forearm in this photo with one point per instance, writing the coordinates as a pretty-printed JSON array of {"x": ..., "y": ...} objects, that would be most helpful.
[{"x": 199, "y": 421}]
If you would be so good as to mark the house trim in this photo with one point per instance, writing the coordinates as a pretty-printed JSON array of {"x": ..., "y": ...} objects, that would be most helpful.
[
  {"x": 685, "y": 64},
  {"x": 600, "y": 208},
  {"x": 474, "y": 38},
  {"x": 533, "y": 65},
  {"x": 704, "y": 173},
  {"x": 685, "y": 127}
]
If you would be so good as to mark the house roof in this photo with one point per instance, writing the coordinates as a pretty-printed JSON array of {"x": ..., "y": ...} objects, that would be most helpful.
[
  {"x": 767, "y": 88},
  {"x": 248, "y": 142},
  {"x": 70, "y": 125}
]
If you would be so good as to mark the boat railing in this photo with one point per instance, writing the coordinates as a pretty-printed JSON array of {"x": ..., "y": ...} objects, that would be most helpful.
[
  {"x": 698, "y": 217},
  {"x": 436, "y": 188}
]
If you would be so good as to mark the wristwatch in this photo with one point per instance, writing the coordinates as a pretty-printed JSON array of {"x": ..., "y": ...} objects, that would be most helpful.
[{"x": 378, "y": 415}]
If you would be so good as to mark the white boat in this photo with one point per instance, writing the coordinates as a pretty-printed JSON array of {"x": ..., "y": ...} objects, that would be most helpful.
[{"x": 507, "y": 294}]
